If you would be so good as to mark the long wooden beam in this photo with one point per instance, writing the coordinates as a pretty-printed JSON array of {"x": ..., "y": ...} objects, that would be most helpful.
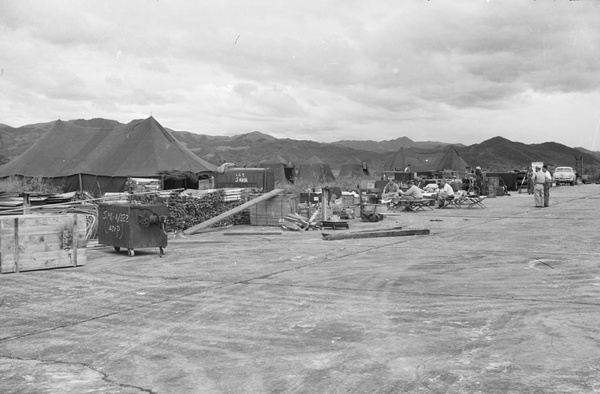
[
  {"x": 246, "y": 205},
  {"x": 374, "y": 234}
]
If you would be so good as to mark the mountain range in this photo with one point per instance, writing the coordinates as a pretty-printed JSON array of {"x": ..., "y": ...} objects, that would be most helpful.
[{"x": 495, "y": 154}]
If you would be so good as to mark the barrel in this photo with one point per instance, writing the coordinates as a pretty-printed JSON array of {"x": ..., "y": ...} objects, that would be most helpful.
[{"x": 492, "y": 186}]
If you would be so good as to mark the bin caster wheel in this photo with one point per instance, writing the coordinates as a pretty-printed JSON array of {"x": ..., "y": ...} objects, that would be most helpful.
[
  {"x": 118, "y": 248},
  {"x": 161, "y": 250},
  {"x": 130, "y": 252}
]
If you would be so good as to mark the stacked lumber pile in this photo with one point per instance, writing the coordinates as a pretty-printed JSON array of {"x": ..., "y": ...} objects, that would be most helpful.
[
  {"x": 232, "y": 194},
  {"x": 297, "y": 222}
]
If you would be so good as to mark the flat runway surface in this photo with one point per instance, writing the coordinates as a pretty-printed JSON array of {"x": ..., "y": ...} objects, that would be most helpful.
[{"x": 498, "y": 300}]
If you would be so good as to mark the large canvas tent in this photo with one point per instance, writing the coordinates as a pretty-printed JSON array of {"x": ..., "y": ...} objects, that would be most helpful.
[
  {"x": 451, "y": 160},
  {"x": 314, "y": 170},
  {"x": 283, "y": 169},
  {"x": 354, "y": 168},
  {"x": 101, "y": 160}
]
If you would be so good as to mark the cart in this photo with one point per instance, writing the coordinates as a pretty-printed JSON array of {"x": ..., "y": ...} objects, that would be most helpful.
[{"x": 132, "y": 226}]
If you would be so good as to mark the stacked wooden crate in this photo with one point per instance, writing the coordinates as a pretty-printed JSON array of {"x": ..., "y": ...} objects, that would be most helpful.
[
  {"x": 33, "y": 242},
  {"x": 272, "y": 211},
  {"x": 349, "y": 200}
]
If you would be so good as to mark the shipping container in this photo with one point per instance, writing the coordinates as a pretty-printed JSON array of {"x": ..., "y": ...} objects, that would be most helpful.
[{"x": 234, "y": 177}]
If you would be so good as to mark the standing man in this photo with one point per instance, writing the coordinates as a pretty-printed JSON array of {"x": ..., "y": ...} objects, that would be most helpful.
[
  {"x": 547, "y": 184},
  {"x": 479, "y": 179},
  {"x": 530, "y": 180},
  {"x": 538, "y": 187}
]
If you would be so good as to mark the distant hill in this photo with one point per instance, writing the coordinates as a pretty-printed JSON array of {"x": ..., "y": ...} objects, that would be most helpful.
[
  {"x": 589, "y": 152},
  {"x": 496, "y": 154},
  {"x": 500, "y": 154},
  {"x": 390, "y": 145}
]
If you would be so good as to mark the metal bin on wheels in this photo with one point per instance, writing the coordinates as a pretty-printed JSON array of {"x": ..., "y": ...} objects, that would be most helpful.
[{"x": 132, "y": 226}]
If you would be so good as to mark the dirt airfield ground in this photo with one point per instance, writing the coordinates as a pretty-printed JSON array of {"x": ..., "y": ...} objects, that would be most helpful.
[{"x": 498, "y": 300}]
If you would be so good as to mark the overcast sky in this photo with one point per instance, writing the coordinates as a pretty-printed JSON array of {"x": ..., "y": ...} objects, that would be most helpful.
[{"x": 451, "y": 71}]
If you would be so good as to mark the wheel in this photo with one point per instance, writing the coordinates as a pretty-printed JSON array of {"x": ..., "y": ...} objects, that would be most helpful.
[
  {"x": 130, "y": 252},
  {"x": 473, "y": 190},
  {"x": 573, "y": 183},
  {"x": 118, "y": 248}
]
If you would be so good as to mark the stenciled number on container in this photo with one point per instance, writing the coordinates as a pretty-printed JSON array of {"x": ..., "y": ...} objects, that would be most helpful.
[
  {"x": 113, "y": 222},
  {"x": 241, "y": 177}
]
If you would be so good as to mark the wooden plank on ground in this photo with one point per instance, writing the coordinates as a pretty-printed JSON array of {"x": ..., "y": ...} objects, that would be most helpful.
[
  {"x": 246, "y": 205},
  {"x": 374, "y": 234},
  {"x": 254, "y": 233}
]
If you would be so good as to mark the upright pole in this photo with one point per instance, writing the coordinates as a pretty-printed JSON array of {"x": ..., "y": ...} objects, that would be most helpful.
[
  {"x": 324, "y": 198},
  {"x": 26, "y": 204}
]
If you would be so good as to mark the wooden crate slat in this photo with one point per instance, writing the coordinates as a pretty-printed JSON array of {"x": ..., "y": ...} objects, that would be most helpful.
[
  {"x": 269, "y": 212},
  {"x": 56, "y": 261},
  {"x": 31, "y": 242},
  {"x": 37, "y": 230},
  {"x": 38, "y": 220}
]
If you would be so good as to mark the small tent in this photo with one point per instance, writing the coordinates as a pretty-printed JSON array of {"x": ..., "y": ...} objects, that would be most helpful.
[
  {"x": 397, "y": 163},
  {"x": 314, "y": 170},
  {"x": 354, "y": 168},
  {"x": 451, "y": 161},
  {"x": 101, "y": 160},
  {"x": 282, "y": 168}
]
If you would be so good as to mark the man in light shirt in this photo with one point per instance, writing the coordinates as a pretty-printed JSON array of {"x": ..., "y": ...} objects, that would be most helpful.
[
  {"x": 538, "y": 187},
  {"x": 547, "y": 184},
  {"x": 413, "y": 192},
  {"x": 391, "y": 192},
  {"x": 445, "y": 193}
]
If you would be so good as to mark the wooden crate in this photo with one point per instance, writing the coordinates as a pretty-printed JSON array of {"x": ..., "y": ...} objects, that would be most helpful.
[
  {"x": 269, "y": 212},
  {"x": 348, "y": 200},
  {"x": 34, "y": 242}
]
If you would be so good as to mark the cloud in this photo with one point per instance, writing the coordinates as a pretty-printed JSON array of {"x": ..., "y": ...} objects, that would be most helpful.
[{"x": 309, "y": 68}]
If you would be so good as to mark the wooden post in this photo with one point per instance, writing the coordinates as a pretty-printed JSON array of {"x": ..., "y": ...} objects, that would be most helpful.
[
  {"x": 1, "y": 256},
  {"x": 16, "y": 249},
  {"x": 360, "y": 201},
  {"x": 74, "y": 240},
  {"x": 324, "y": 204},
  {"x": 80, "y": 183},
  {"x": 26, "y": 204}
]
